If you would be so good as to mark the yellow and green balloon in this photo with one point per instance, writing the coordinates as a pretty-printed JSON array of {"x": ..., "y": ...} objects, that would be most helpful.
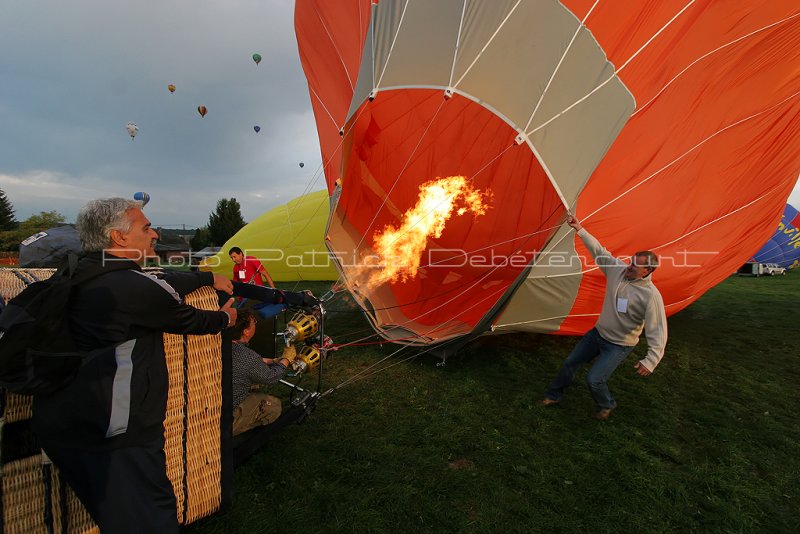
[{"x": 289, "y": 240}]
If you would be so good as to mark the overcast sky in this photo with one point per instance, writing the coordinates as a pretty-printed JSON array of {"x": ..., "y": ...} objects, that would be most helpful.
[{"x": 74, "y": 73}]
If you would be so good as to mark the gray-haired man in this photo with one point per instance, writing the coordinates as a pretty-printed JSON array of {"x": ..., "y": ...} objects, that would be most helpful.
[{"x": 104, "y": 430}]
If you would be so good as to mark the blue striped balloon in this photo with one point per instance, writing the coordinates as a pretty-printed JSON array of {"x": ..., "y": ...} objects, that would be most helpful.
[{"x": 142, "y": 197}]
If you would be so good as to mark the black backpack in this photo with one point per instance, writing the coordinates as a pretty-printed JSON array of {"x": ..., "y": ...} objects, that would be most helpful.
[{"x": 37, "y": 351}]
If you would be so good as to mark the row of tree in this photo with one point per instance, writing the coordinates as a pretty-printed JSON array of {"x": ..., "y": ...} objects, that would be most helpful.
[
  {"x": 13, "y": 232},
  {"x": 223, "y": 223}
]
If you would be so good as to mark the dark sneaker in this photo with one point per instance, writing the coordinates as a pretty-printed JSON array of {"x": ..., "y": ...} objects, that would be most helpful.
[
  {"x": 603, "y": 413},
  {"x": 547, "y": 401}
]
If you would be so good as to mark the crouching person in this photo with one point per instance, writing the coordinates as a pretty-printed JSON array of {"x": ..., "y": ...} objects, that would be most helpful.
[{"x": 253, "y": 409}]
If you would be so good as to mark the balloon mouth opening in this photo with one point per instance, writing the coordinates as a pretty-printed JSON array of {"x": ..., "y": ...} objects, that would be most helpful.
[
  {"x": 502, "y": 211},
  {"x": 388, "y": 316}
]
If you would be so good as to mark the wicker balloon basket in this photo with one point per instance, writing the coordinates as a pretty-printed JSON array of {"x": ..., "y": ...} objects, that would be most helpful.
[{"x": 197, "y": 431}]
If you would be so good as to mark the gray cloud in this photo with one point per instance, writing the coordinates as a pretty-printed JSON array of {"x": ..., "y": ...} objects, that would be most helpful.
[{"x": 74, "y": 73}]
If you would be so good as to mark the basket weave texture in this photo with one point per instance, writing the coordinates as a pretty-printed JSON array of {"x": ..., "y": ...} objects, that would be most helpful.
[
  {"x": 191, "y": 430},
  {"x": 198, "y": 403}
]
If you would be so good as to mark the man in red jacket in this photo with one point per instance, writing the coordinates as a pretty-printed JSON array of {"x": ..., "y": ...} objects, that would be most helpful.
[{"x": 248, "y": 269}]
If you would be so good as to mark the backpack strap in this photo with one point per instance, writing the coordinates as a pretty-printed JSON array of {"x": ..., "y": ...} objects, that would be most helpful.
[
  {"x": 21, "y": 276},
  {"x": 72, "y": 264},
  {"x": 89, "y": 272}
]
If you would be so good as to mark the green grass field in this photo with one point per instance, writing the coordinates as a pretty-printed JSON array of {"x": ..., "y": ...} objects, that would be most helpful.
[{"x": 708, "y": 443}]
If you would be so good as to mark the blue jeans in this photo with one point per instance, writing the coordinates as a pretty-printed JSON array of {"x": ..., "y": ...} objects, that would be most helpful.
[{"x": 609, "y": 356}]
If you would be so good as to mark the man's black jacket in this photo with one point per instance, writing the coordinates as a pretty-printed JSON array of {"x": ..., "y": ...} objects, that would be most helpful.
[{"x": 119, "y": 398}]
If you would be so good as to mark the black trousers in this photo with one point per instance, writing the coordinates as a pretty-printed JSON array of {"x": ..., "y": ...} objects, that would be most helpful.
[{"x": 125, "y": 490}]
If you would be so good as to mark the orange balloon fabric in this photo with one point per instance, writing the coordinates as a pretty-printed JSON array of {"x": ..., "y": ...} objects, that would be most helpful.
[
  {"x": 696, "y": 162},
  {"x": 710, "y": 156}
]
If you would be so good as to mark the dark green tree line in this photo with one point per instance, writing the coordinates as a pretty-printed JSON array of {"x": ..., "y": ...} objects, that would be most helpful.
[{"x": 10, "y": 239}]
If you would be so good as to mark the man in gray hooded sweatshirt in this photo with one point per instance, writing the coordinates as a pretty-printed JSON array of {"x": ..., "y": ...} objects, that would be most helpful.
[{"x": 632, "y": 303}]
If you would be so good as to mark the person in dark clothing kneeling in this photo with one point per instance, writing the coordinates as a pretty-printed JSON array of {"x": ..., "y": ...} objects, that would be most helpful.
[{"x": 253, "y": 409}]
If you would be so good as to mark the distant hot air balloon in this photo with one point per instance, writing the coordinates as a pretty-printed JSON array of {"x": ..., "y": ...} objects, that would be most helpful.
[
  {"x": 257, "y": 128},
  {"x": 132, "y": 129},
  {"x": 257, "y": 58},
  {"x": 783, "y": 247},
  {"x": 302, "y": 164},
  {"x": 171, "y": 88},
  {"x": 142, "y": 197},
  {"x": 202, "y": 110}
]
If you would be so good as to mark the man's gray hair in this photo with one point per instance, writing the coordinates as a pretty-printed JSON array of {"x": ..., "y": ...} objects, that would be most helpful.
[{"x": 98, "y": 217}]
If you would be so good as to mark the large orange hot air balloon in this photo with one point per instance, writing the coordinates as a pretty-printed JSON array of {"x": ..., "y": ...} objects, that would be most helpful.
[
  {"x": 171, "y": 88},
  {"x": 202, "y": 110},
  {"x": 466, "y": 130}
]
